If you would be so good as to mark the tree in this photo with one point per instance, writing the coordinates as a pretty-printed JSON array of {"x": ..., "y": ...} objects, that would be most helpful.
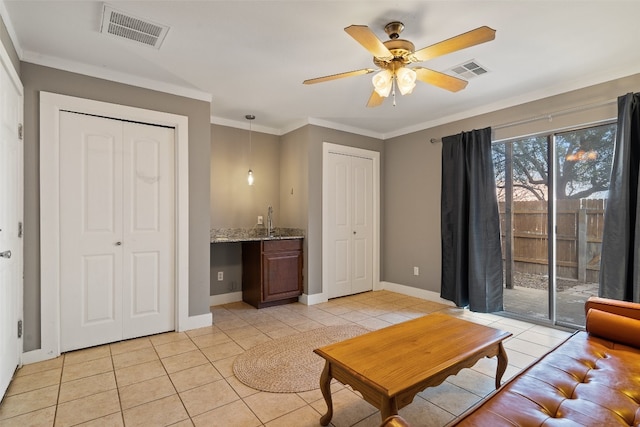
[{"x": 583, "y": 164}]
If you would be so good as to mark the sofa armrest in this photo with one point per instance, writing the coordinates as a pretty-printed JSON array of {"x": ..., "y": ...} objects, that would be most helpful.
[{"x": 621, "y": 308}]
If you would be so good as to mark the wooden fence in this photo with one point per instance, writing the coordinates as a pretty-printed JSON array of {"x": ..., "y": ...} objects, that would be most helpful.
[{"x": 578, "y": 239}]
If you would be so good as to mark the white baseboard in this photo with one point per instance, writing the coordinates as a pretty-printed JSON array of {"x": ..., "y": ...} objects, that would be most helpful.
[
  {"x": 313, "y": 299},
  {"x": 195, "y": 322},
  {"x": 415, "y": 292},
  {"x": 34, "y": 356},
  {"x": 225, "y": 298}
]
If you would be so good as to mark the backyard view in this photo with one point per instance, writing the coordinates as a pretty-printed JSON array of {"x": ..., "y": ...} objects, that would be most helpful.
[{"x": 582, "y": 161}]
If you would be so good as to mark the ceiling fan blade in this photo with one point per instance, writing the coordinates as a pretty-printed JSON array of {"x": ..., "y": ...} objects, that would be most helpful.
[
  {"x": 439, "y": 79},
  {"x": 338, "y": 76},
  {"x": 462, "y": 41},
  {"x": 363, "y": 35},
  {"x": 375, "y": 100}
]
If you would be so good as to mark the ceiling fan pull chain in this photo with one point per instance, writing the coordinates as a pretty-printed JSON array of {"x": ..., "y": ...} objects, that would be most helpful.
[{"x": 393, "y": 89}]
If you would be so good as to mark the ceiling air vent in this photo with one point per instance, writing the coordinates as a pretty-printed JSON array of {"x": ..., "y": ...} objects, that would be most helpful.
[
  {"x": 469, "y": 69},
  {"x": 123, "y": 25}
]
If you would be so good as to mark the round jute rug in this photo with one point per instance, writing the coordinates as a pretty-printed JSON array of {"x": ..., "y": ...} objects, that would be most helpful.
[{"x": 288, "y": 364}]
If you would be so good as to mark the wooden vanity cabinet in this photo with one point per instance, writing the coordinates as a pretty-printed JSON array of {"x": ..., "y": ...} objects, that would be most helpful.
[{"x": 271, "y": 272}]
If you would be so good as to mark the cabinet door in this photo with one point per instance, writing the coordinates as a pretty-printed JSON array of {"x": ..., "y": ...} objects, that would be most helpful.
[{"x": 282, "y": 275}]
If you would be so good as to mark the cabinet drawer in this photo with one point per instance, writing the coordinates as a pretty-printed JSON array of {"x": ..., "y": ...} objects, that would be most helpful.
[{"x": 282, "y": 245}]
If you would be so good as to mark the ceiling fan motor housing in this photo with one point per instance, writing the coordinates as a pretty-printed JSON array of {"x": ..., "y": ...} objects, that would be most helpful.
[{"x": 400, "y": 49}]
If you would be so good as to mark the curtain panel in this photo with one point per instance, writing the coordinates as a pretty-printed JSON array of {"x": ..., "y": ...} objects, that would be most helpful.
[
  {"x": 470, "y": 224},
  {"x": 620, "y": 257}
]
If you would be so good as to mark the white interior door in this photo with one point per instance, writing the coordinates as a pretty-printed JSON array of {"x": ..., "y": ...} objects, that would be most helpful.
[
  {"x": 350, "y": 224},
  {"x": 148, "y": 230},
  {"x": 362, "y": 224},
  {"x": 11, "y": 209},
  {"x": 116, "y": 230}
]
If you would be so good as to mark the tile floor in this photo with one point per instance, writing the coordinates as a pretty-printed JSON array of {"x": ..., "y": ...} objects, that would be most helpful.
[{"x": 186, "y": 379}]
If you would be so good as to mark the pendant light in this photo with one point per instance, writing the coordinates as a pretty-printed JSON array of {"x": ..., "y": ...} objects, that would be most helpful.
[{"x": 250, "y": 117}]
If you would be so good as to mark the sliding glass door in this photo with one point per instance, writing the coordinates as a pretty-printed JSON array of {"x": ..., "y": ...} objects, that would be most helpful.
[{"x": 553, "y": 182}]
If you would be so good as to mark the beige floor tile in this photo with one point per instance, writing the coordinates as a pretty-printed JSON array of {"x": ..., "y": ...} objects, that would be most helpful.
[
  {"x": 184, "y": 361},
  {"x": 284, "y": 332},
  {"x": 134, "y": 357},
  {"x": 373, "y": 324},
  {"x": 450, "y": 397},
  {"x": 84, "y": 355},
  {"x": 138, "y": 373},
  {"x": 130, "y": 345},
  {"x": 175, "y": 347},
  {"x": 34, "y": 381},
  {"x": 88, "y": 408},
  {"x": 112, "y": 420},
  {"x": 222, "y": 351},
  {"x": 162, "y": 412},
  {"x": 269, "y": 406},
  {"x": 235, "y": 414},
  {"x": 245, "y": 331},
  {"x": 168, "y": 337},
  {"x": 241, "y": 389},
  {"x": 195, "y": 377},
  {"x": 209, "y": 340},
  {"x": 207, "y": 397},
  {"x": 270, "y": 326},
  {"x": 348, "y": 408},
  {"x": 27, "y": 402},
  {"x": 86, "y": 369},
  {"x": 308, "y": 326},
  {"x": 424, "y": 413},
  {"x": 253, "y": 340},
  {"x": 303, "y": 417},
  {"x": 474, "y": 381},
  {"x": 183, "y": 423},
  {"x": 526, "y": 347},
  {"x": 225, "y": 366},
  {"x": 192, "y": 333},
  {"x": 40, "y": 418},
  {"x": 40, "y": 366},
  {"x": 145, "y": 391},
  {"x": 87, "y": 386}
]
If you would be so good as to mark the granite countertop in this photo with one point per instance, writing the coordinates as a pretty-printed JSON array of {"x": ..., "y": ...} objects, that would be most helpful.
[{"x": 227, "y": 235}]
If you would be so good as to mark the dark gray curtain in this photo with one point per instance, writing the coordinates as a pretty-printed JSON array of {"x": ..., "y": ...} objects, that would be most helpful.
[
  {"x": 471, "y": 251},
  {"x": 620, "y": 258}
]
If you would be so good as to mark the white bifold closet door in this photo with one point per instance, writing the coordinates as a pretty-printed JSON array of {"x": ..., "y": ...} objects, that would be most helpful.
[
  {"x": 117, "y": 230},
  {"x": 350, "y": 224}
]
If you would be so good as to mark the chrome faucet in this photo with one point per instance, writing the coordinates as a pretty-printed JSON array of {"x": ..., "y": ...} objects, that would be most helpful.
[{"x": 270, "y": 222}]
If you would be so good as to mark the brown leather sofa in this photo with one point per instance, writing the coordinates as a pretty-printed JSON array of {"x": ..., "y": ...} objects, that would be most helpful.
[{"x": 591, "y": 379}]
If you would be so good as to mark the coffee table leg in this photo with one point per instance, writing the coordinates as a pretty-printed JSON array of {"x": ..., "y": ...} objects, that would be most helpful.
[
  {"x": 389, "y": 407},
  {"x": 325, "y": 387},
  {"x": 502, "y": 364}
]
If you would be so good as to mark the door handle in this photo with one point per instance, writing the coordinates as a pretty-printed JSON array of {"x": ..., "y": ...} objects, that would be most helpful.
[
  {"x": 354, "y": 232},
  {"x": 118, "y": 243},
  {"x": 5, "y": 254}
]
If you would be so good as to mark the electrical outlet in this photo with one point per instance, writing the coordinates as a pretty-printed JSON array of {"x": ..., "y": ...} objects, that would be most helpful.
[
  {"x": 416, "y": 271},
  {"x": 260, "y": 220},
  {"x": 220, "y": 276}
]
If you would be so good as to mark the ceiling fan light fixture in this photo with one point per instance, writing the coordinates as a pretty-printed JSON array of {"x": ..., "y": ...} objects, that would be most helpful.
[
  {"x": 406, "y": 79},
  {"x": 382, "y": 82}
]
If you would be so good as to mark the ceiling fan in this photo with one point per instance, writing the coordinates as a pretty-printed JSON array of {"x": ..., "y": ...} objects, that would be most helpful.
[{"x": 393, "y": 56}]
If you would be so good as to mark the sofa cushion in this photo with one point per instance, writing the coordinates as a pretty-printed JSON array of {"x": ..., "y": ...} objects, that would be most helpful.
[
  {"x": 587, "y": 380},
  {"x": 613, "y": 327}
]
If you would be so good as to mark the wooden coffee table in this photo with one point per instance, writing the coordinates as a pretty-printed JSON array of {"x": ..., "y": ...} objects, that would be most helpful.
[{"x": 391, "y": 365}]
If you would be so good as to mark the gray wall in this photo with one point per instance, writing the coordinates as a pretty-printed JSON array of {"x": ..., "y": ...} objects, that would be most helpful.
[
  {"x": 292, "y": 164},
  {"x": 235, "y": 204},
  {"x": 317, "y": 136},
  {"x": 37, "y": 78},
  {"x": 413, "y": 170}
]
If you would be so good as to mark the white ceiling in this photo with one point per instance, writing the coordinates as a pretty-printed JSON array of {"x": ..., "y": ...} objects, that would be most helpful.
[{"x": 250, "y": 57}]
